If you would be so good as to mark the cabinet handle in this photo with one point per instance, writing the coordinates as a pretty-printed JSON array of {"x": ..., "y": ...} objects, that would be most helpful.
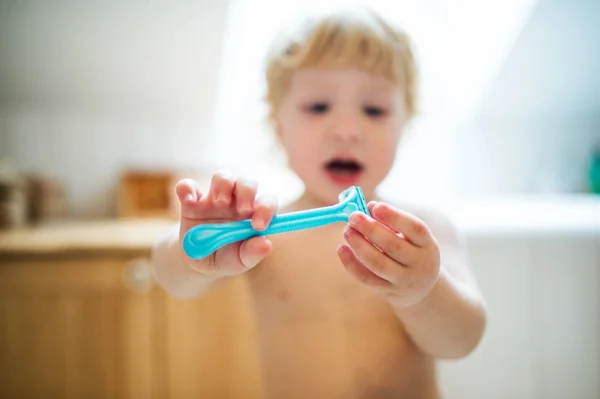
[{"x": 138, "y": 276}]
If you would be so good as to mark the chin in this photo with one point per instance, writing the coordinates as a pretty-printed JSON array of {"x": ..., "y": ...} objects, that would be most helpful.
[{"x": 323, "y": 195}]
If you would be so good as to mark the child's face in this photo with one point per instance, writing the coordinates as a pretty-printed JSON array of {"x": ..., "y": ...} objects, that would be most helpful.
[{"x": 340, "y": 128}]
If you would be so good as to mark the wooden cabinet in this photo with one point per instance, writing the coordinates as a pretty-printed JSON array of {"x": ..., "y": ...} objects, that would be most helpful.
[
  {"x": 81, "y": 316},
  {"x": 71, "y": 328},
  {"x": 211, "y": 346}
]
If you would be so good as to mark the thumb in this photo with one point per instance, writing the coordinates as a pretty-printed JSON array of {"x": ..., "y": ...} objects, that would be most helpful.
[{"x": 254, "y": 250}]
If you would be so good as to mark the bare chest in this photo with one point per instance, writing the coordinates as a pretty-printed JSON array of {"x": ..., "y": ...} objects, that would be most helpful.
[
  {"x": 305, "y": 272},
  {"x": 314, "y": 316}
]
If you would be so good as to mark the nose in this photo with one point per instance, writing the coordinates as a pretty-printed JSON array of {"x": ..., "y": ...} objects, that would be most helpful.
[{"x": 346, "y": 126}]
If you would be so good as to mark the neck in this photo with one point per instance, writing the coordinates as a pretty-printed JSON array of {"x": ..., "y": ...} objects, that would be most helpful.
[{"x": 310, "y": 201}]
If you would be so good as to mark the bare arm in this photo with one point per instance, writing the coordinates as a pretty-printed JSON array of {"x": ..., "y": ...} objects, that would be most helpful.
[
  {"x": 421, "y": 270},
  {"x": 227, "y": 199},
  {"x": 174, "y": 272},
  {"x": 450, "y": 321}
]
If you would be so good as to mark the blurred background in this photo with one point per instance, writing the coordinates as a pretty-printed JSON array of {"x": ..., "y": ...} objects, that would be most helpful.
[{"x": 104, "y": 105}]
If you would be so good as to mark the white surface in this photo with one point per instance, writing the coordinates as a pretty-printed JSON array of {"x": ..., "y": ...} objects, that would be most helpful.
[
  {"x": 543, "y": 334},
  {"x": 535, "y": 215}
]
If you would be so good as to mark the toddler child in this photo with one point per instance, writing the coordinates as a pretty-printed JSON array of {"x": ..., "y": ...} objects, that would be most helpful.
[{"x": 356, "y": 310}]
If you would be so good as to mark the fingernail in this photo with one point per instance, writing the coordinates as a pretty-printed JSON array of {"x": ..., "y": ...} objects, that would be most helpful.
[
  {"x": 347, "y": 231},
  {"x": 190, "y": 197},
  {"x": 377, "y": 207},
  {"x": 354, "y": 219},
  {"x": 260, "y": 224}
]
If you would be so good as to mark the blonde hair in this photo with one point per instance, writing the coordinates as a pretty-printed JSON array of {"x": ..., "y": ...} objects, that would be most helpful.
[{"x": 356, "y": 38}]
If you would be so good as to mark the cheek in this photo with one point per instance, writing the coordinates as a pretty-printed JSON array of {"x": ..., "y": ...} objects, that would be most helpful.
[
  {"x": 302, "y": 150},
  {"x": 303, "y": 153},
  {"x": 385, "y": 157},
  {"x": 383, "y": 153}
]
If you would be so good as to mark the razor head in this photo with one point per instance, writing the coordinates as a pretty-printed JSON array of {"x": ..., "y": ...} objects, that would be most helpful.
[{"x": 355, "y": 195}]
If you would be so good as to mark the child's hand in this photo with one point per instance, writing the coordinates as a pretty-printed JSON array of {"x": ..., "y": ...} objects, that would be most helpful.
[
  {"x": 228, "y": 199},
  {"x": 394, "y": 253}
]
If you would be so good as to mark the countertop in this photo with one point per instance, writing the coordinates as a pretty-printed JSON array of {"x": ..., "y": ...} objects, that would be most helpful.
[{"x": 82, "y": 235}]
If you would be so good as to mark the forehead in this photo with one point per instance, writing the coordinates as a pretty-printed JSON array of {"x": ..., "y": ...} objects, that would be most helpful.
[{"x": 338, "y": 79}]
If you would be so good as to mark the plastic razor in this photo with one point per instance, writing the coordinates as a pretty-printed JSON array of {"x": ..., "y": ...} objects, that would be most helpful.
[{"x": 204, "y": 239}]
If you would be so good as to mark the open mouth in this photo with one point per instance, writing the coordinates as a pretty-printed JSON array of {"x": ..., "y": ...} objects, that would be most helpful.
[{"x": 344, "y": 171}]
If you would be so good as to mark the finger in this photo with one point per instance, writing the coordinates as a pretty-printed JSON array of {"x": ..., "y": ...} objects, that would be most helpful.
[
  {"x": 265, "y": 207},
  {"x": 410, "y": 226},
  {"x": 221, "y": 188},
  {"x": 357, "y": 269},
  {"x": 393, "y": 245},
  {"x": 238, "y": 257},
  {"x": 371, "y": 257},
  {"x": 188, "y": 193},
  {"x": 370, "y": 206},
  {"x": 254, "y": 250},
  {"x": 187, "y": 190},
  {"x": 245, "y": 193}
]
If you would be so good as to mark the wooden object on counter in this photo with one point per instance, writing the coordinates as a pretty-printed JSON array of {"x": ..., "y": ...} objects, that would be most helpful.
[
  {"x": 13, "y": 201},
  {"x": 146, "y": 194},
  {"x": 47, "y": 199},
  {"x": 81, "y": 316}
]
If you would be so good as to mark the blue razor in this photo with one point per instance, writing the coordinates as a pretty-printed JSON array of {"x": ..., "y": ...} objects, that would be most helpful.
[{"x": 204, "y": 239}]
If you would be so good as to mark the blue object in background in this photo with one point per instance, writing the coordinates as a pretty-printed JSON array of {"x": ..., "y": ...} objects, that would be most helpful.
[{"x": 594, "y": 172}]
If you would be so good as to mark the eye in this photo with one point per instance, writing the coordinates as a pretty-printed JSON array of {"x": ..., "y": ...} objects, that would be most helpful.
[
  {"x": 318, "y": 108},
  {"x": 374, "y": 111}
]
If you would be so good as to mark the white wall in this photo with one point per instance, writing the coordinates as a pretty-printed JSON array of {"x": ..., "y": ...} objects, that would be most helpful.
[
  {"x": 527, "y": 154},
  {"x": 539, "y": 121},
  {"x": 89, "y": 88}
]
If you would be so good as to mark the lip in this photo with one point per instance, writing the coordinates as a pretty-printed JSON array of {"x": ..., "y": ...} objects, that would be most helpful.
[
  {"x": 340, "y": 179},
  {"x": 343, "y": 180}
]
